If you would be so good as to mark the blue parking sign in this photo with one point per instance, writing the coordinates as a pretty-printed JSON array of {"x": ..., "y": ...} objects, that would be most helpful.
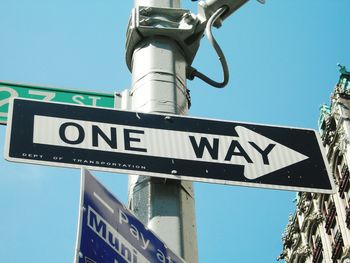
[{"x": 110, "y": 233}]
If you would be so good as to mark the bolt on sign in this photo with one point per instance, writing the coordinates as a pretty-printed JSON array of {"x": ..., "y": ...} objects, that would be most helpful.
[{"x": 167, "y": 146}]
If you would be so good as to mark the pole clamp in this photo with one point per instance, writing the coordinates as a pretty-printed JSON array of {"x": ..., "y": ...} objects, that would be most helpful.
[{"x": 178, "y": 24}]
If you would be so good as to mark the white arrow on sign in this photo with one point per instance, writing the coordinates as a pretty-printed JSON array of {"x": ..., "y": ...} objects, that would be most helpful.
[
  {"x": 258, "y": 154},
  {"x": 279, "y": 157}
]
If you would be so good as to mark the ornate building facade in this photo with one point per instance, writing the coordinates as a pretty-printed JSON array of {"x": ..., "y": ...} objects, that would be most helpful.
[{"x": 319, "y": 231}]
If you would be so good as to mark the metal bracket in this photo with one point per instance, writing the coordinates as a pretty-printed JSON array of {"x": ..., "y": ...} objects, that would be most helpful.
[
  {"x": 178, "y": 24},
  {"x": 207, "y": 8},
  {"x": 123, "y": 100}
]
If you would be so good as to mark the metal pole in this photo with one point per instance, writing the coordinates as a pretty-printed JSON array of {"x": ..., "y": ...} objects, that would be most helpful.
[{"x": 159, "y": 85}]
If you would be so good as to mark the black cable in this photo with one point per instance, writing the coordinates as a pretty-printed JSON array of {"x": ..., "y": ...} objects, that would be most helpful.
[{"x": 192, "y": 72}]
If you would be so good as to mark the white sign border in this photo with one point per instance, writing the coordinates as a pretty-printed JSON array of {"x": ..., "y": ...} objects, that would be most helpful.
[{"x": 171, "y": 176}]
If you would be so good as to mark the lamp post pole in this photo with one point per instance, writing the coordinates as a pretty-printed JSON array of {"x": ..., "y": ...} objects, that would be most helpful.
[{"x": 159, "y": 86}]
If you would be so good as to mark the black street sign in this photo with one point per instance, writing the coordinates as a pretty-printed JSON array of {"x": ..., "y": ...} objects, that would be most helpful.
[{"x": 167, "y": 146}]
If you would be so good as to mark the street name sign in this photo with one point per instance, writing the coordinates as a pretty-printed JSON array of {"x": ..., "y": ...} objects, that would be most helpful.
[
  {"x": 167, "y": 146},
  {"x": 10, "y": 90},
  {"x": 110, "y": 233}
]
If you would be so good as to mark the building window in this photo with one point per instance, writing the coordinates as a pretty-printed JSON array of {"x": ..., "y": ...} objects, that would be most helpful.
[
  {"x": 337, "y": 246},
  {"x": 344, "y": 181},
  {"x": 325, "y": 204},
  {"x": 334, "y": 231},
  {"x": 317, "y": 249},
  {"x": 338, "y": 169},
  {"x": 330, "y": 216}
]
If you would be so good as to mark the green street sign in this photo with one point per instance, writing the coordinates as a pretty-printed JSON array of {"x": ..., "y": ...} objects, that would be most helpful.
[{"x": 10, "y": 90}]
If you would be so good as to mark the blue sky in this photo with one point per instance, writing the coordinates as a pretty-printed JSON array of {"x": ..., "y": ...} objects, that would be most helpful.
[{"x": 283, "y": 62}]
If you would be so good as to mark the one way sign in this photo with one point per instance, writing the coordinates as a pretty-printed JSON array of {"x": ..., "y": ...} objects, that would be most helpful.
[{"x": 167, "y": 146}]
